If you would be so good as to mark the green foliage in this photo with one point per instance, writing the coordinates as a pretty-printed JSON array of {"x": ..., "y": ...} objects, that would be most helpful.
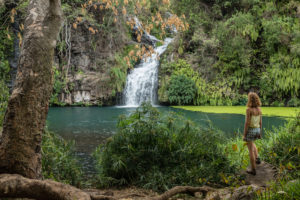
[
  {"x": 206, "y": 93},
  {"x": 242, "y": 45},
  {"x": 118, "y": 77},
  {"x": 6, "y": 44},
  {"x": 282, "y": 191},
  {"x": 294, "y": 102},
  {"x": 58, "y": 86},
  {"x": 58, "y": 160},
  {"x": 158, "y": 151},
  {"x": 282, "y": 148},
  {"x": 235, "y": 36},
  {"x": 3, "y": 100},
  {"x": 279, "y": 147},
  {"x": 181, "y": 90},
  {"x": 118, "y": 73},
  {"x": 237, "y": 152}
]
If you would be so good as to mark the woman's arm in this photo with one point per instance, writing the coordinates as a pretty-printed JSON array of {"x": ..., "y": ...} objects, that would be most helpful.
[
  {"x": 247, "y": 122},
  {"x": 260, "y": 125}
]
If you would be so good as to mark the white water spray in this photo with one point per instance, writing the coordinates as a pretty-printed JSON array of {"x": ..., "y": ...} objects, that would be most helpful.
[{"x": 141, "y": 84}]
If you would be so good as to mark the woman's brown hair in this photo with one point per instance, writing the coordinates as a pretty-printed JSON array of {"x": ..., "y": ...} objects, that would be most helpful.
[{"x": 253, "y": 100}]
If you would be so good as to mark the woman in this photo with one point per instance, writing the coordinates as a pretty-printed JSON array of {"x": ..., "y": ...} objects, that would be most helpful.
[{"x": 252, "y": 130}]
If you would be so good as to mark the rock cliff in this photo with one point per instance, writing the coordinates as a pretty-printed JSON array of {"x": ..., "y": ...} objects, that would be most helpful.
[{"x": 88, "y": 62}]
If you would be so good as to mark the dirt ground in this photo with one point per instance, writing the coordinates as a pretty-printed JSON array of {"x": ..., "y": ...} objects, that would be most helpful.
[{"x": 124, "y": 193}]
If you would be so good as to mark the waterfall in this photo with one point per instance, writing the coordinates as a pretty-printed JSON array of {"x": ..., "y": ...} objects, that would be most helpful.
[{"x": 142, "y": 81}]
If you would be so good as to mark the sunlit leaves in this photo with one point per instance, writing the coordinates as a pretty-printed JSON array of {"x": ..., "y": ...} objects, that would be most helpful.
[
  {"x": 20, "y": 38},
  {"x": 13, "y": 12},
  {"x": 21, "y": 27},
  {"x": 234, "y": 147},
  {"x": 138, "y": 6},
  {"x": 75, "y": 25},
  {"x": 125, "y": 10},
  {"x": 8, "y": 36},
  {"x": 92, "y": 30}
]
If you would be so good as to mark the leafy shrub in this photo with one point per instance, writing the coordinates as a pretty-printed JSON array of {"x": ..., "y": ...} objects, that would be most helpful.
[
  {"x": 241, "y": 100},
  {"x": 206, "y": 93},
  {"x": 58, "y": 87},
  {"x": 282, "y": 147},
  {"x": 283, "y": 191},
  {"x": 237, "y": 152},
  {"x": 181, "y": 90},
  {"x": 58, "y": 160},
  {"x": 277, "y": 104},
  {"x": 294, "y": 102},
  {"x": 158, "y": 151}
]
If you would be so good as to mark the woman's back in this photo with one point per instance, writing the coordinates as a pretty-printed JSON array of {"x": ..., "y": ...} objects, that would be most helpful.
[
  {"x": 255, "y": 121},
  {"x": 255, "y": 116}
]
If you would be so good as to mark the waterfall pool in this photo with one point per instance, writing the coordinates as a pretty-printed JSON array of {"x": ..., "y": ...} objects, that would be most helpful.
[{"x": 90, "y": 126}]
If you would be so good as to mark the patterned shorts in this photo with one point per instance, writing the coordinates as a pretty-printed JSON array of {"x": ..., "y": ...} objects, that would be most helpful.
[{"x": 252, "y": 134}]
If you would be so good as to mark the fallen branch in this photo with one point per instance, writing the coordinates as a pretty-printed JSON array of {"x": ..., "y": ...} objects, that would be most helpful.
[
  {"x": 16, "y": 186},
  {"x": 184, "y": 189}
]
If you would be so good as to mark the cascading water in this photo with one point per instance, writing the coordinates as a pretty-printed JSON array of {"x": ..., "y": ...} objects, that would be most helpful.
[{"x": 141, "y": 83}]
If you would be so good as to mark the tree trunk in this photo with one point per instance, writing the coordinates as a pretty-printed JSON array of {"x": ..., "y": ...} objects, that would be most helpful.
[{"x": 20, "y": 145}]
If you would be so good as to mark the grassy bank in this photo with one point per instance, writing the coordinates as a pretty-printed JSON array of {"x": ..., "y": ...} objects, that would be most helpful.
[{"x": 269, "y": 111}]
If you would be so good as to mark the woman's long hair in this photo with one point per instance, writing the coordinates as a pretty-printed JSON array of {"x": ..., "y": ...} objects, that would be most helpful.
[{"x": 253, "y": 100}]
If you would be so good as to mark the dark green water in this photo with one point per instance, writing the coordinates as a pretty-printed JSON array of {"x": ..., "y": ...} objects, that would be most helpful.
[{"x": 90, "y": 126}]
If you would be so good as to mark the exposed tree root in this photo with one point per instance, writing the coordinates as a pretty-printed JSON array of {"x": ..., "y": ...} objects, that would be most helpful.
[
  {"x": 184, "y": 189},
  {"x": 16, "y": 186}
]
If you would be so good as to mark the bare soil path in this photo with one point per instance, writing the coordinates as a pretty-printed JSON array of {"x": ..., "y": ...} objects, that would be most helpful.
[{"x": 265, "y": 173}]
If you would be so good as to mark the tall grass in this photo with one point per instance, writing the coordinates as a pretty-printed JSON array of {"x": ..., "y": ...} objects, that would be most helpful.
[
  {"x": 281, "y": 191},
  {"x": 282, "y": 148},
  {"x": 59, "y": 161}
]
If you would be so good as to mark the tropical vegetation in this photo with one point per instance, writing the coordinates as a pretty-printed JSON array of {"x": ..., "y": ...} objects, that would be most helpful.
[
  {"x": 158, "y": 152},
  {"x": 59, "y": 161},
  {"x": 236, "y": 46}
]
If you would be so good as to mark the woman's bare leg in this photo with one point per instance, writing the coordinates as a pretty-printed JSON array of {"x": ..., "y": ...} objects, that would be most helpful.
[
  {"x": 251, "y": 155},
  {"x": 255, "y": 150}
]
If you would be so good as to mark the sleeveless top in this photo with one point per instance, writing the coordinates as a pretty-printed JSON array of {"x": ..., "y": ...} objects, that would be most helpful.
[{"x": 254, "y": 121}]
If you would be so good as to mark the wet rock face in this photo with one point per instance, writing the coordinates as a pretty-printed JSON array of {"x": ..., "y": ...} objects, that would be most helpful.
[
  {"x": 92, "y": 56},
  {"x": 89, "y": 88}
]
